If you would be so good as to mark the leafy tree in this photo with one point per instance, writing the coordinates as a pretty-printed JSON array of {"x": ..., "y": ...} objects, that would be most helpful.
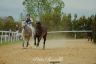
[
  {"x": 75, "y": 23},
  {"x": 94, "y": 27},
  {"x": 69, "y": 20},
  {"x": 9, "y": 24},
  {"x": 66, "y": 22},
  {"x": 1, "y": 24},
  {"x": 39, "y": 7},
  {"x": 75, "y": 16}
]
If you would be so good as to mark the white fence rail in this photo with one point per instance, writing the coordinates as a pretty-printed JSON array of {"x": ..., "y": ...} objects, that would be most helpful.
[
  {"x": 70, "y": 31},
  {"x": 75, "y": 35},
  {"x": 6, "y": 36}
]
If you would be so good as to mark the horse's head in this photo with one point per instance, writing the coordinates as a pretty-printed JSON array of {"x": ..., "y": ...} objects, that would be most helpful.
[{"x": 38, "y": 24}]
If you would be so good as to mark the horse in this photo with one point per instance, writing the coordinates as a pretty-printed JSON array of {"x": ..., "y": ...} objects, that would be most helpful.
[
  {"x": 26, "y": 35},
  {"x": 40, "y": 32},
  {"x": 90, "y": 36}
]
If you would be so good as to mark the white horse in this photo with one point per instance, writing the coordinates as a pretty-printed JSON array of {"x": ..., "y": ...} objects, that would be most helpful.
[{"x": 27, "y": 33}]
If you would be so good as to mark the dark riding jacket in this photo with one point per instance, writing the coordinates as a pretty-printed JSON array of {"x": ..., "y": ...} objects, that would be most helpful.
[{"x": 28, "y": 21}]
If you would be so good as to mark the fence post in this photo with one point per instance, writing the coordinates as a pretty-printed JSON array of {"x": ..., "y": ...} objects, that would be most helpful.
[
  {"x": 14, "y": 36},
  {"x": 5, "y": 37},
  {"x": 1, "y": 37},
  {"x": 11, "y": 36},
  {"x": 75, "y": 35}
]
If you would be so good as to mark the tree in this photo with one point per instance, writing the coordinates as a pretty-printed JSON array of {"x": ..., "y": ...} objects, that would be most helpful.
[
  {"x": 94, "y": 27},
  {"x": 1, "y": 24},
  {"x": 75, "y": 23},
  {"x": 66, "y": 22},
  {"x": 39, "y": 7},
  {"x": 70, "y": 22},
  {"x": 75, "y": 16},
  {"x": 9, "y": 24}
]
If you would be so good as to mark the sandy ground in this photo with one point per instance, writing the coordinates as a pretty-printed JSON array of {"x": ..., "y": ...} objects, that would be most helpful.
[{"x": 66, "y": 51}]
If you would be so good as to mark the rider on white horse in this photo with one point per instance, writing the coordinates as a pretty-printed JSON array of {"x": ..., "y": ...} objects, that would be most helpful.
[{"x": 28, "y": 22}]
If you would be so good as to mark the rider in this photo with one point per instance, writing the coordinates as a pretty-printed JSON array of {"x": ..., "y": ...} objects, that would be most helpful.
[{"x": 28, "y": 22}]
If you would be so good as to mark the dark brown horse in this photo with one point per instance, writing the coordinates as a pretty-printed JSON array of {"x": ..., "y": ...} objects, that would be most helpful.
[
  {"x": 90, "y": 36},
  {"x": 40, "y": 31}
]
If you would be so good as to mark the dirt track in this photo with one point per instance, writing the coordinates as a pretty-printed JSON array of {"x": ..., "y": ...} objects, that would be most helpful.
[{"x": 68, "y": 51}]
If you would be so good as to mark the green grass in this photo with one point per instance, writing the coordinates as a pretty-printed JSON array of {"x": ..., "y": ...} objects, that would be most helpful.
[{"x": 9, "y": 43}]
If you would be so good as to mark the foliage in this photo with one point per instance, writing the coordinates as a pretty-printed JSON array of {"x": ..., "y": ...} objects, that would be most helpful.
[
  {"x": 8, "y": 23},
  {"x": 66, "y": 22},
  {"x": 39, "y": 7},
  {"x": 1, "y": 24}
]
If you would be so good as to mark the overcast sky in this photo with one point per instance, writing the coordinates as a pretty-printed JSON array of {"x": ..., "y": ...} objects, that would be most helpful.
[
  {"x": 81, "y": 7},
  {"x": 11, "y": 8}
]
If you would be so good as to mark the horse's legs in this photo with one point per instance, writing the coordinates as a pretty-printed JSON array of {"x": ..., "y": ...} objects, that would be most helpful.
[
  {"x": 91, "y": 38},
  {"x": 39, "y": 38},
  {"x": 23, "y": 44},
  {"x": 35, "y": 40},
  {"x": 44, "y": 37},
  {"x": 27, "y": 44},
  {"x": 88, "y": 38}
]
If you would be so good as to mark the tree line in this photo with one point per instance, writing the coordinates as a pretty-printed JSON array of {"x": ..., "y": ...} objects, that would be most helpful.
[{"x": 8, "y": 23}]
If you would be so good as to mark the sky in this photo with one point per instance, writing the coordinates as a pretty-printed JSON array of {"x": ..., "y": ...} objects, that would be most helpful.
[
  {"x": 79, "y": 7},
  {"x": 11, "y": 8}
]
